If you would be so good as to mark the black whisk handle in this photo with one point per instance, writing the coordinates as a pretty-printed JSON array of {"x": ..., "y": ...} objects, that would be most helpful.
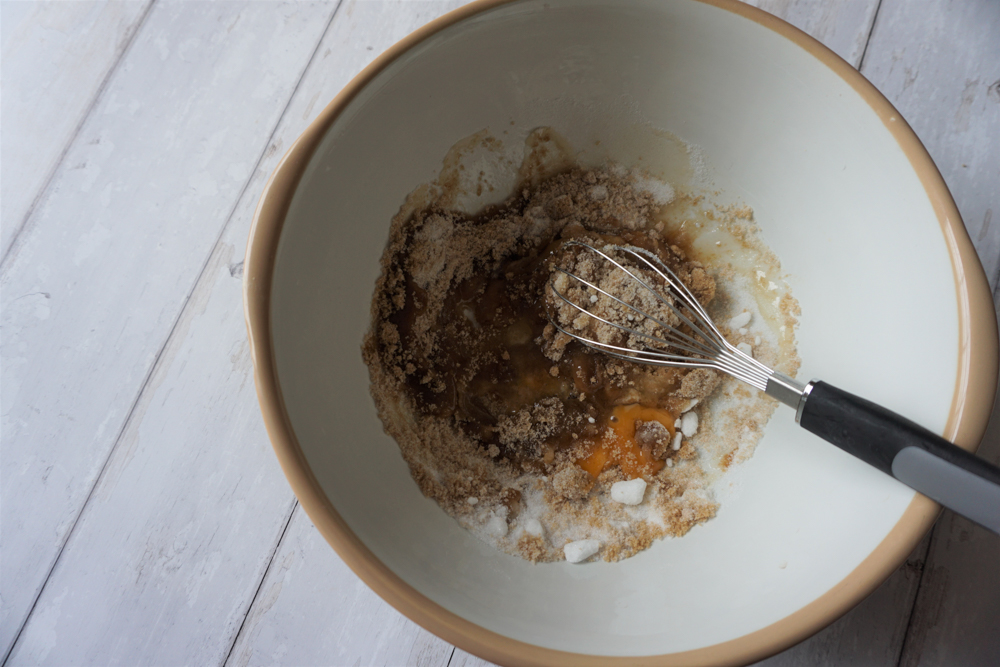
[{"x": 922, "y": 460}]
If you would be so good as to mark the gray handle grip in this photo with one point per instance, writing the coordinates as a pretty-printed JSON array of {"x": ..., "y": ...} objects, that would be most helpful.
[{"x": 959, "y": 490}]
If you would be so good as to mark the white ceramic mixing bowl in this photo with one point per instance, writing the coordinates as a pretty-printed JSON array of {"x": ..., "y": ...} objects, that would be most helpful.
[{"x": 895, "y": 307}]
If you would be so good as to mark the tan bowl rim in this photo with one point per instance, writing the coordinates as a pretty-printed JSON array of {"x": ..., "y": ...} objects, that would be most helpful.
[{"x": 971, "y": 406}]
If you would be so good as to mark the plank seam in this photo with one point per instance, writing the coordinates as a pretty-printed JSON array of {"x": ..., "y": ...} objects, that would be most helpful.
[
  {"x": 871, "y": 31},
  {"x": 173, "y": 329},
  {"x": 260, "y": 584},
  {"x": 451, "y": 657},
  {"x": 23, "y": 224},
  {"x": 916, "y": 594}
]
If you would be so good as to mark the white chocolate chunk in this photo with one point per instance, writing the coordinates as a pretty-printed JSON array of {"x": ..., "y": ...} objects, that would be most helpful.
[
  {"x": 745, "y": 349},
  {"x": 496, "y": 527},
  {"x": 740, "y": 320},
  {"x": 472, "y": 501},
  {"x": 677, "y": 440},
  {"x": 630, "y": 492},
  {"x": 689, "y": 424},
  {"x": 581, "y": 550}
]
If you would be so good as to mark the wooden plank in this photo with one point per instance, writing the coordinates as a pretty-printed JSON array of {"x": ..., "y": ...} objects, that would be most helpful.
[
  {"x": 462, "y": 659},
  {"x": 101, "y": 273},
  {"x": 168, "y": 597},
  {"x": 939, "y": 64},
  {"x": 56, "y": 58}
]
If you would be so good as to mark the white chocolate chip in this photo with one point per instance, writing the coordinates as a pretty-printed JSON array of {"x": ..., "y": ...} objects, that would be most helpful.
[
  {"x": 472, "y": 501},
  {"x": 689, "y": 424},
  {"x": 496, "y": 527},
  {"x": 593, "y": 298},
  {"x": 756, "y": 340},
  {"x": 677, "y": 423},
  {"x": 745, "y": 349},
  {"x": 743, "y": 331},
  {"x": 677, "y": 440},
  {"x": 670, "y": 463},
  {"x": 591, "y": 420},
  {"x": 630, "y": 492},
  {"x": 581, "y": 550},
  {"x": 740, "y": 320}
]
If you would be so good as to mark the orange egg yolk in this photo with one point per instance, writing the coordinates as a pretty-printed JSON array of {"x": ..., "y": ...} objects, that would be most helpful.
[{"x": 617, "y": 446}]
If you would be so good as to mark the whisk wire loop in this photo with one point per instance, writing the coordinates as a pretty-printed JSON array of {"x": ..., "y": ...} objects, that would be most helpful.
[
  {"x": 698, "y": 347},
  {"x": 709, "y": 347}
]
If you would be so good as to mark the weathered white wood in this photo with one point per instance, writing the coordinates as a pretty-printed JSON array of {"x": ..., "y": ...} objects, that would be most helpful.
[
  {"x": 312, "y": 610},
  {"x": 957, "y": 613},
  {"x": 842, "y": 26},
  {"x": 99, "y": 276},
  {"x": 185, "y": 534},
  {"x": 56, "y": 56},
  {"x": 938, "y": 62},
  {"x": 168, "y": 553},
  {"x": 462, "y": 659}
]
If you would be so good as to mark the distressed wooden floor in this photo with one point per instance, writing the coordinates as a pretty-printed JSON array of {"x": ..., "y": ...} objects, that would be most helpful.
[{"x": 144, "y": 517}]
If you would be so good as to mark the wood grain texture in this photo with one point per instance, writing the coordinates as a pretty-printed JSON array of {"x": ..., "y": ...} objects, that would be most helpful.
[
  {"x": 100, "y": 275},
  {"x": 56, "y": 58},
  {"x": 938, "y": 62}
]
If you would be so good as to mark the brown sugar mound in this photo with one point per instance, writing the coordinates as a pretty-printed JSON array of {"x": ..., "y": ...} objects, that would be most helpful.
[{"x": 512, "y": 427}]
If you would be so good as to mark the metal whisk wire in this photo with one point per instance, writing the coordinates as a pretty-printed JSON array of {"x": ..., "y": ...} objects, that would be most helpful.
[{"x": 705, "y": 347}]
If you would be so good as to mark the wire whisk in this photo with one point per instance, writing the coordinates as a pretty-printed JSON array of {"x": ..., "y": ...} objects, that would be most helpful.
[{"x": 701, "y": 346}]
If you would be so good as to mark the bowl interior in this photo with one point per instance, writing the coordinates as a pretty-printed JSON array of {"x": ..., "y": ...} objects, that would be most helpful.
[{"x": 837, "y": 201}]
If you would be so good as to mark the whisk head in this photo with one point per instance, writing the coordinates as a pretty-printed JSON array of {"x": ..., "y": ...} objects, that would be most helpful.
[{"x": 689, "y": 339}]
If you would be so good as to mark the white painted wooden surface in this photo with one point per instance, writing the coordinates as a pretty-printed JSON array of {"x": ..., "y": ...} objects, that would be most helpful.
[
  {"x": 144, "y": 519},
  {"x": 57, "y": 56}
]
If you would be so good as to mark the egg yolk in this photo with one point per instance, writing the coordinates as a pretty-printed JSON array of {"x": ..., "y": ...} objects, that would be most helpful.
[{"x": 618, "y": 445}]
